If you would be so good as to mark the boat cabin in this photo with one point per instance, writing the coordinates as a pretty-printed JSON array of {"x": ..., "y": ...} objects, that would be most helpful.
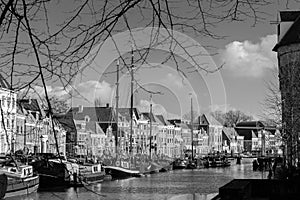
[
  {"x": 23, "y": 171},
  {"x": 96, "y": 168}
]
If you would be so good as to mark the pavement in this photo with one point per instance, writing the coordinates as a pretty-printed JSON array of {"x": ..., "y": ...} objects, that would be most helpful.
[{"x": 195, "y": 196}]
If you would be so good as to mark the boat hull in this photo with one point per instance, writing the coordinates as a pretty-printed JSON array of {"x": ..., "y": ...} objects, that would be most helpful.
[
  {"x": 179, "y": 164},
  {"x": 120, "y": 173},
  {"x": 55, "y": 174},
  {"x": 17, "y": 187},
  {"x": 92, "y": 177}
]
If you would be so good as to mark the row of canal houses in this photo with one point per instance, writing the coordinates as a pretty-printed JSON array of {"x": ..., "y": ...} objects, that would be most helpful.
[{"x": 91, "y": 131}]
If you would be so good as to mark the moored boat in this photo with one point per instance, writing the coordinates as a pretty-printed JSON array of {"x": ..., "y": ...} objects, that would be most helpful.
[
  {"x": 56, "y": 172},
  {"x": 122, "y": 168},
  {"x": 91, "y": 173},
  {"x": 216, "y": 161},
  {"x": 192, "y": 164},
  {"x": 16, "y": 181},
  {"x": 179, "y": 164}
]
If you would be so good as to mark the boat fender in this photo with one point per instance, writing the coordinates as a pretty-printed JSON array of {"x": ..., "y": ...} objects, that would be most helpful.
[{"x": 117, "y": 163}]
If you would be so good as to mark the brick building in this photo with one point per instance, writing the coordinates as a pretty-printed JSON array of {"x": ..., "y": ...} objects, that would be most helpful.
[{"x": 288, "y": 53}]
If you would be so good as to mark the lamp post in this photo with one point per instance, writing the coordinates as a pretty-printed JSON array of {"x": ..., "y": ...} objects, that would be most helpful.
[{"x": 150, "y": 115}]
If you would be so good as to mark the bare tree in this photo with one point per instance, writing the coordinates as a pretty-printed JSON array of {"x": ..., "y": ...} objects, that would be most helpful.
[
  {"x": 231, "y": 118},
  {"x": 34, "y": 46},
  {"x": 271, "y": 106}
]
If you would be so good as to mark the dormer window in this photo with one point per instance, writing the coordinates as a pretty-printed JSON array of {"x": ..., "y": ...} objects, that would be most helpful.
[{"x": 86, "y": 118}]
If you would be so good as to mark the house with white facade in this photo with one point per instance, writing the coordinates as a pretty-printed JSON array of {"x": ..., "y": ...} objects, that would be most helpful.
[
  {"x": 213, "y": 128},
  {"x": 8, "y": 113}
]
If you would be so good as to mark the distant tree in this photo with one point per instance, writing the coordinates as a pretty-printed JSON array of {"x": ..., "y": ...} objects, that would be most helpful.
[
  {"x": 272, "y": 104},
  {"x": 58, "y": 105},
  {"x": 231, "y": 117},
  {"x": 219, "y": 116}
]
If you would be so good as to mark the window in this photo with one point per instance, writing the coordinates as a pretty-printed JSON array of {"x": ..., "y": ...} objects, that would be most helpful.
[
  {"x": 8, "y": 102},
  {"x": 3, "y": 101},
  {"x": 7, "y": 123},
  {"x": 12, "y": 124}
]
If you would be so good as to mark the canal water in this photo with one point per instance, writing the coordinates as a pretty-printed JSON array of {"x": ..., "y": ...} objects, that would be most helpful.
[{"x": 177, "y": 184}]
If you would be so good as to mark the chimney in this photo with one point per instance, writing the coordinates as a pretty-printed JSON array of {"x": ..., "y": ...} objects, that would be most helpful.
[
  {"x": 80, "y": 108},
  {"x": 107, "y": 105}
]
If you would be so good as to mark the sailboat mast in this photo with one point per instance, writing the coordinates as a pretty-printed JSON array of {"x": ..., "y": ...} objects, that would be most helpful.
[
  {"x": 117, "y": 107},
  {"x": 150, "y": 145},
  {"x": 192, "y": 128},
  {"x": 131, "y": 102}
]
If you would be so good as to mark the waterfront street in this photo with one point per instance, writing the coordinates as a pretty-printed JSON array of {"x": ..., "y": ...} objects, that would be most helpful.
[{"x": 176, "y": 184}]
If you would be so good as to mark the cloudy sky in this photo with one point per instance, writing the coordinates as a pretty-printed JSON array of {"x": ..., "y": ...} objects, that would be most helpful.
[{"x": 246, "y": 53}]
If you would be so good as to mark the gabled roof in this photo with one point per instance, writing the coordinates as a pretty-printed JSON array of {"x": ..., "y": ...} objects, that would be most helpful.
[
  {"x": 174, "y": 121},
  {"x": 3, "y": 83},
  {"x": 229, "y": 132},
  {"x": 207, "y": 119},
  {"x": 20, "y": 109},
  {"x": 99, "y": 114},
  {"x": 247, "y": 133},
  {"x": 67, "y": 122},
  {"x": 160, "y": 119},
  {"x": 250, "y": 125},
  {"x": 31, "y": 105},
  {"x": 104, "y": 127},
  {"x": 292, "y": 35},
  {"x": 94, "y": 127},
  {"x": 254, "y": 134},
  {"x": 289, "y": 15},
  {"x": 148, "y": 116}
]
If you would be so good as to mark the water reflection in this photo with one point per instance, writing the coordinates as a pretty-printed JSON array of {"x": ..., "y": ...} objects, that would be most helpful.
[{"x": 179, "y": 184}]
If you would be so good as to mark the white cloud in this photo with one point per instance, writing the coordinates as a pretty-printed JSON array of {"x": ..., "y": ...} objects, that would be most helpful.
[
  {"x": 92, "y": 90},
  {"x": 84, "y": 93},
  {"x": 38, "y": 92},
  {"x": 223, "y": 108},
  {"x": 157, "y": 109},
  {"x": 250, "y": 59}
]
